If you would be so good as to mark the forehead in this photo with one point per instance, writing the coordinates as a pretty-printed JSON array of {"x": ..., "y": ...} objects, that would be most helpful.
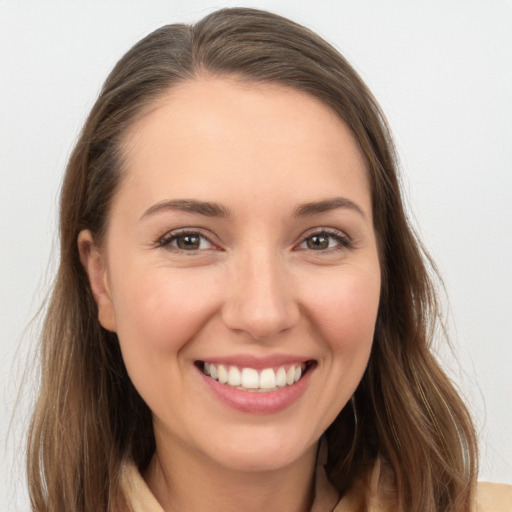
[{"x": 226, "y": 134}]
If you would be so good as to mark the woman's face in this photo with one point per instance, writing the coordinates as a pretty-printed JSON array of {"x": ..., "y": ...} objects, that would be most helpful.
[{"x": 240, "y": 270}]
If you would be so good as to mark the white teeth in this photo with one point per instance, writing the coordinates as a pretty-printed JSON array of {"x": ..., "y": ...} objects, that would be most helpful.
[
  {"x": 267, "y": 379},
  {"x": 290, "y": 376},
  {"x": 250, "y": 379},
  {"x": 222, "y": 374},
  {"x": 234, "y": 376},
  {"x": 281, "y": 377}
]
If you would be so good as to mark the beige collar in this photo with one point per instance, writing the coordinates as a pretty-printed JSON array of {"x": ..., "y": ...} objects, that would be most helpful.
[
  {"x": 373, "y": 492},
  {"x": 141, "y": 499}
]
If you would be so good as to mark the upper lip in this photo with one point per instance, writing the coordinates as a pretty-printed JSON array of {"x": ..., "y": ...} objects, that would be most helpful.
[{"x": 257, "y": 362}]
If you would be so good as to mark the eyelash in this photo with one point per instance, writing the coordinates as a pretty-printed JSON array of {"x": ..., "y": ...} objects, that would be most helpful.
[
  {"x": 168, "y": 239},
  {"x": 342, "y": 241}
]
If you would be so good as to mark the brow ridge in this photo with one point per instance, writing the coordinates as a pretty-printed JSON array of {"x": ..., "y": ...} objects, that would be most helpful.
[
  {"x": 205, "y": 208},
  {"x": 317, "y": 207}
]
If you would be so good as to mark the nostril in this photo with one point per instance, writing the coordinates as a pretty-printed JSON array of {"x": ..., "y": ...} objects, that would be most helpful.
[{"x": 260, "y": 320}]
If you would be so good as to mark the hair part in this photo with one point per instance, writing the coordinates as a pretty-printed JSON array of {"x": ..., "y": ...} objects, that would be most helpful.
[{"x": 89, "y": 417}]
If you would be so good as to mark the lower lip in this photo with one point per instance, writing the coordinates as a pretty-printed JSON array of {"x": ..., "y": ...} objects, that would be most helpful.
[{"x": 267, "y": 402}]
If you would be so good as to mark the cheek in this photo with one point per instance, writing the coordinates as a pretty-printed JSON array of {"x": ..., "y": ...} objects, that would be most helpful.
[
  {"x": 345, "y": 311},
  {"x": 159, "y": 311}
]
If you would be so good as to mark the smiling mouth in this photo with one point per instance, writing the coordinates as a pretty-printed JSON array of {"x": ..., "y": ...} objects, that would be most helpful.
[{"x": 252, "y": 380}]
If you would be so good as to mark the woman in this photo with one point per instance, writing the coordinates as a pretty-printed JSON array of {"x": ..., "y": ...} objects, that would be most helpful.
[{"x": 242, "y": 316}]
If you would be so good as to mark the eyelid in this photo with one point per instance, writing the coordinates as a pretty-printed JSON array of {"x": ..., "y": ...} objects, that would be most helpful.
[
  {"x": 344, "y": 239},
  {"x": 164, "y": 241}
]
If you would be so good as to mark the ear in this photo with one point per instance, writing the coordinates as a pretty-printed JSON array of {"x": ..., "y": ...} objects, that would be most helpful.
[{"x": 95, "y": 265}]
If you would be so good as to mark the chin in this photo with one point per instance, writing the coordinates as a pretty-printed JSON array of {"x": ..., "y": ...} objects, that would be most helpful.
[{"x": 262, "y": 453}]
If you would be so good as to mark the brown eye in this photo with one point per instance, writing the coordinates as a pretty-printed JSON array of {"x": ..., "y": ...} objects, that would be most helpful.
[
  {"x": 186, "y": 241},
  {"x": 318, "y": 242},
  {"x": 325, "y": 241}
]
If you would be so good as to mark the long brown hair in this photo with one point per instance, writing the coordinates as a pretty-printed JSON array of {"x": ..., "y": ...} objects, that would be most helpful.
[{"x": 89, "y": 417}]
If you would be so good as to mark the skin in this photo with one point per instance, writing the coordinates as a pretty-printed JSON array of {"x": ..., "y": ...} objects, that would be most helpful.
[{"x": 255, "y": 285}]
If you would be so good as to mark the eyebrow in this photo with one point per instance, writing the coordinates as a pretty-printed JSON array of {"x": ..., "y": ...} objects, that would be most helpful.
[
  {"x": 210, "y": 209},
  {"x": 190, "y": 206},
  {"x": 327, "y": 205}
]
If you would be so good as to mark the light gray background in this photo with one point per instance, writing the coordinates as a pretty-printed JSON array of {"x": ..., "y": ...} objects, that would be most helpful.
[{"x": 442, "y": 73}]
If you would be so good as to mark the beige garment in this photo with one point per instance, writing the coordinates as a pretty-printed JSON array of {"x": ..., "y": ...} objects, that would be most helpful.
[
  {"x": 372, "y": 494},
  {"x": 141, "y": 499},
  {"x": 376, "y": 493}
]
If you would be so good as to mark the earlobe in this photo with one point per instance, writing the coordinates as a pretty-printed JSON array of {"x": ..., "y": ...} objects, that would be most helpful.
[{"x": 95, "y": 266}]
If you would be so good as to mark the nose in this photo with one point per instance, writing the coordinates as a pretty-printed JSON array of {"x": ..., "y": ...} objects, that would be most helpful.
[{"x": 260, "y": 297}]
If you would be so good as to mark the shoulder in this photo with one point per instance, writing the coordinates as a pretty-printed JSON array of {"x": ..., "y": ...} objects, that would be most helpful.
[
  {"x": 375, "y": 491},
  {"x": 494, "y": 497}
]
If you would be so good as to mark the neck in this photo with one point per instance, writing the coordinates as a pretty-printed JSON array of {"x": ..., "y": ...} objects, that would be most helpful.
[{"x": 186, "y": 481}]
